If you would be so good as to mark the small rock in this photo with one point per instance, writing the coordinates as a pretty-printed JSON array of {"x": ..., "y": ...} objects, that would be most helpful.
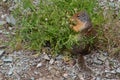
[
  {"x": 10, "y": 71},
  {"x": 10, "y": 28},
  {"x": 118, "y": 70},
  {"x": 59, "y": 63},
  {"x": 32, "y": 78},
  {"x": 53, "y": 71},
  {"x": 108, "y": 75},
  {"x": 113, "y": 71},
  {"x": 1, "y": 62},
  {"x": 10, "y": 19},
  {"x": 3, "y": 16},
  {"x": 65, "y": 75},
  {"x": 107, "y": 71},
  {"x": 1, "y": 31},
  {"x": 98, "y": 62},
  {"x": 39, "y": 65},
  {"x": 2, "y": 22},
  {"x": 58, "y": 73},
  {"x": 111, "y": 0},
  {"x": 105, "y": 54},
  {"x": 102, "y": 58},
  {"x": 8, "y": 59},
  {"x": 59, "y": 57},
  {"x": 49, "y": 77},
  {"x": 35, "y": 72},
  {"x": 51, "y": 61},
  {"x": 1, "y": 52},
  {"x": 111, "y": 4},
  {"x": 107, "y": 64},
  {"x": 80, "y": 76},
  {"x": 6, "y": 33},
  {"x": 4, "y": 0},
  {"x": 98, "y": 78},
  {"x": 46, "y": 57}
]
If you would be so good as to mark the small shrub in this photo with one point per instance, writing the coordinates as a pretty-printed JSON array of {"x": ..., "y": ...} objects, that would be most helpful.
[{"x": 48, "y": 20}]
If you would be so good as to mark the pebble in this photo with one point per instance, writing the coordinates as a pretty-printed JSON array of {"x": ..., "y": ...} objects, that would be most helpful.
[
  {"x": 59, "y": 57},
  {"x": 10, "y": 71},
  {"x": 113, "y": 71},
  {"x": 51, "y": 61},
  {"x": 107, "y": 63},
  {"x": 1, "y": 62},
  {"x": 118, "y": 70},
  {"x": 105, "y": 54},
  {"x": 6, "y": 33},
  {"x": 3, "y": 16},
  {"x": 108, "y": 75},
  {"x": 36, "y": 72},
  {"x": 4, "y": 0},
  {"x": 53, "y": 71},
  {"x": 1, "y": 52},
  {"x": 98, "y": 78},
  {"x": 111, "y": 0},
  {"x": 8, "y": 59},
  {"x": 10, "y": 28},
  {"x": 102, "y": 57},
  {"x": 39, "y": 65},
  {"x": 98, "y": 62},
  {"x": 80, "y": 76},
  {"x": 65, "y": 75},
  {"x": 10, "y": 19},
  {"x": 111, "y": 4},
  {"x": 1, "y": 31},
  {"x": 46, "y": 57},
  {"x": 107, "y": 71},
  {"x": 32, "y": 78},
  {"x": 2, "y": 22}
]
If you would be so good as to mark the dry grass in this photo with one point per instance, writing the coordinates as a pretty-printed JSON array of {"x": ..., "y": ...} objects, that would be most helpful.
[{"x": 110, "y": 39}]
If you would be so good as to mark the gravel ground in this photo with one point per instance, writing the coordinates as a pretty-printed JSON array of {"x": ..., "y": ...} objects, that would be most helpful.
[{"x": 27, "y": 65}]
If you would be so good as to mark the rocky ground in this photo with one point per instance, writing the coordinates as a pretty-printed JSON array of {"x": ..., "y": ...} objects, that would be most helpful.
[{"x": 27, "y": 65}]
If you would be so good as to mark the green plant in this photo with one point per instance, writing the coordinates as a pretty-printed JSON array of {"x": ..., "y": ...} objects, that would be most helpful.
[{"x": 49, "y": 21}]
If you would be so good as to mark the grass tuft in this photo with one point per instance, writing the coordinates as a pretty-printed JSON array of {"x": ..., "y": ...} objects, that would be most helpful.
[{"x": 48, "y": 21}]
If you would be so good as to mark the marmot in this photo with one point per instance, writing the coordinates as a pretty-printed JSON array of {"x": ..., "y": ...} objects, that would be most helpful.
[{"x": 81, "y": 23}]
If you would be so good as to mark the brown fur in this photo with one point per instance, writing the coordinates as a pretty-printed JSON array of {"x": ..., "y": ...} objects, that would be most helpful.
[{"x": 83, "y": 27}]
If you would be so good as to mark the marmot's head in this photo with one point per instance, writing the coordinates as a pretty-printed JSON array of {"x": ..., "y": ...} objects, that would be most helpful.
[{"x": 81, "y": 22}]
